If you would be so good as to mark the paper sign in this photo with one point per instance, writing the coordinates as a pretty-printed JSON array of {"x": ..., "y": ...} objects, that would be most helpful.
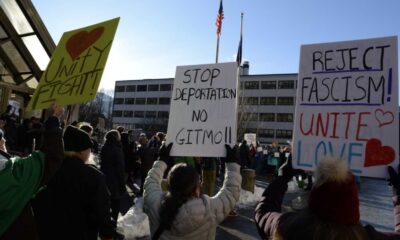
[
  {"x": 347, "y": 105},
  {"x": 75, "y": 69},
  {"x": 202, "y": 117},
  {"x": 250, "y": 139}
]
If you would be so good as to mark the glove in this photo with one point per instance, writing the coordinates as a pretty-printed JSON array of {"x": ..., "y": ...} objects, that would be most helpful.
[
  {"x": 394, "y": 179},
  {"x": 163, "y": 155},
  {"x": 232, "y": 154},
  {"x": 286, "y": 170}
]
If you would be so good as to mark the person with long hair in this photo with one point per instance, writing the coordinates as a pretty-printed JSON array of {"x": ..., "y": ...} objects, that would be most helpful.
[
  {"x": 183, "y": 212},
  {"x": 112, "y": 164},
  {"x": 332, "y": 212},
  {"x": 76, "y": 203}
]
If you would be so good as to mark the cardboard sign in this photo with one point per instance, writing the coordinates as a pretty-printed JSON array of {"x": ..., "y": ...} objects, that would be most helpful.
[
  {"x": 250, "y": 139},
  {"x": 75, "y": 69},
  {"x": 347, "y": 105},
  {"x": 202, "y": 117}
]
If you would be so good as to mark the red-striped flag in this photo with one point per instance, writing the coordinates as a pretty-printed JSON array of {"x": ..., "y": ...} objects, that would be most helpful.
[{"x": 220, "y": 16}]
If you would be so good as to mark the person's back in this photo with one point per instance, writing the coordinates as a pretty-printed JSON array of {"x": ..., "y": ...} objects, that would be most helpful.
[
  {"x": 182, "y": 212},
  {"x": 66, "y": 208},
  {"x": 76, "y": 203}
]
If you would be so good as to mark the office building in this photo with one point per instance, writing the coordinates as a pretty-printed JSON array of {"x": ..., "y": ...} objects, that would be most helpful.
[{"x": 266, "y": 105}]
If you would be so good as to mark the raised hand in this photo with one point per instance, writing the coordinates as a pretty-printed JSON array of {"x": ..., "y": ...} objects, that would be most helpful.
[{"x": 232, "y": 154}]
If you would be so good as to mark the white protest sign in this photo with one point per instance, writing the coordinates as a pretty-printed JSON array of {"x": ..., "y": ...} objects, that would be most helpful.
[
  {"x": 202, "y": 116},
  {"x": 347, "y": 105},
  {"x": 250, "y": 139}
]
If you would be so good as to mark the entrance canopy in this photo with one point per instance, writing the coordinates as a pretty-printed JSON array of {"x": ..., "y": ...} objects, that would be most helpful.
[{"x": 25, "y": 46}]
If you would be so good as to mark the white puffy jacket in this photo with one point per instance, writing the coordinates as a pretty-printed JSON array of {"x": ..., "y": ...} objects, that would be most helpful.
[{"x": 197, "y": 218}]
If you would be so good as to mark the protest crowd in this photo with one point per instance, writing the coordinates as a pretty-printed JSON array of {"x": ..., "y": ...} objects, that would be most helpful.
[{"x": 56, "y": 189}]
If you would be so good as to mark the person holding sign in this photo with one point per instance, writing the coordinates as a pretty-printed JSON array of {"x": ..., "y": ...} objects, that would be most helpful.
[
  {"x": 333, "y": 207},
  {"x": 22, "y": 178},
  {"x": 183, "y": 212}
]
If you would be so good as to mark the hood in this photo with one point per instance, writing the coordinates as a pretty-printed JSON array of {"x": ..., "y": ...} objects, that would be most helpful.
[{"x": 192, "y": 215}]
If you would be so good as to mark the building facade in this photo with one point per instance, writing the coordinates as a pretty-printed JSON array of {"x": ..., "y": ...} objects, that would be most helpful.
[{"x": 266, "y": 105}]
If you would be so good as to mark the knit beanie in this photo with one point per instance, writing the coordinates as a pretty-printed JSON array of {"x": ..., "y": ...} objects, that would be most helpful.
[
  {"x": 334, "y": 197},
  {"x": 76, "y": 140}
]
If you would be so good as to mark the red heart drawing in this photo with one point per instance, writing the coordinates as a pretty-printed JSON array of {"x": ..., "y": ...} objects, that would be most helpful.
[
  {"x": 383, "y": 118},
  {"x": 376, "y": 154},
  {"x": 80, "y": 41}
]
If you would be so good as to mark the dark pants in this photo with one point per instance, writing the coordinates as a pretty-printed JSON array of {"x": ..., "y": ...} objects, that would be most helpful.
[{"x": 115, "y": 208}]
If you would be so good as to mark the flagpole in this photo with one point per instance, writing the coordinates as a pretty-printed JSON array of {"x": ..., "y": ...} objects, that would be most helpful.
[
  {"x": 217, "y": 53},
  {"x": 241, "y": 24},
  {"x": 220, "y": 16}
]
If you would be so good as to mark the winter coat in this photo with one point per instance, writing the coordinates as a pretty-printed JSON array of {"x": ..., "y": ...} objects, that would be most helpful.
[
  {"x": 22, "y": 178},
  {"x": 112, "y": 164},
  {"x": 131, "y": 156},
  {"x": 147, "y": 157},
  {"x": 268, "y": 216},
  {"x": 75, "y": 204},
  {"x": 244, "y": 152},
  {"x": 198, "y": 217}
]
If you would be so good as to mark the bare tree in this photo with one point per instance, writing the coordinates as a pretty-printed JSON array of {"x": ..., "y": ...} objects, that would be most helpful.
[
  {"x": 247, "y": 112},
  {"x": 101, "y": 106}
]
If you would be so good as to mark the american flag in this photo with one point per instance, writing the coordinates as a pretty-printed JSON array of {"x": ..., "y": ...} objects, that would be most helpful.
[{"x": 220, "y": 16}]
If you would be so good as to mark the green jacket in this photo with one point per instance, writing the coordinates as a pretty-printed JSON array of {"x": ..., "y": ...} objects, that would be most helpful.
[{"x": 19, "y": 181}]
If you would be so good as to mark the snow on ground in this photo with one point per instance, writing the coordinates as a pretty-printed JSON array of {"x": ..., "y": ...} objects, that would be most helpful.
[
  {"x": 135, "y": 223},
  {"x": 248, "y": 198}
]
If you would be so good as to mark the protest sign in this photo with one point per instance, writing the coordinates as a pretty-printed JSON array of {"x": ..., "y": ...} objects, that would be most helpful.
[
  {"x": 75, "y": 69},
  {"x": 250, "y": 139},
  {"x": 347, "y": 105},
  {"x": 202, "y": 116}
]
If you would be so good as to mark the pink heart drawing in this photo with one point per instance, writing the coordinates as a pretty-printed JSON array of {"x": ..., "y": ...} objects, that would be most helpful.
[{"x": 383, "y": 118}]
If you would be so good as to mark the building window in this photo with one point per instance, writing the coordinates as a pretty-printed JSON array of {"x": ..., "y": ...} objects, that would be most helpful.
[
  {"x": 268, "y": 85},
  {"x": 139, "y": 114},
  {"x": 118, "y": 101},
  {"x": 266, "y": 133},
  {"x": 165, "y": 87},
  {"x": 267, "y": 117},
  {"x": 120, "y": 89},
  {"x": 281, "y": 133},
  {"x": 131, "y": 88},
  {"x": 140, "y": 101},
  {"x": 252, "y": 85},
  {"x": 267, "y": 101},
  {"x": 288, "y": 84},
  {"x": 284, "y": 117},
  {"x": 153, "y": 87},
  {"x": 163, "y": 101},
  {"x": 289, "y": 101},
  {"x": 249, "y": 116},
  {"x": 163, "y": 114},
  {"x": 151, "y": 114},
  {"x": 128, "y": 113},
  {"x": 141, "y": 88},
  {"x": 250, "y": 100},
  {"x": 151, "y": 101},
  {"x": 117, "y": 113},
  {"x": 129, "y": 101}
]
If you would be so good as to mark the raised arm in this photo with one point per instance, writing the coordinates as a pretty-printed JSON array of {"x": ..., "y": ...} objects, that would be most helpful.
[
  {"x": 268, "y": 210},
  {"x": 52, "y": 144},
  {"x": 225, "y": 200}
]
